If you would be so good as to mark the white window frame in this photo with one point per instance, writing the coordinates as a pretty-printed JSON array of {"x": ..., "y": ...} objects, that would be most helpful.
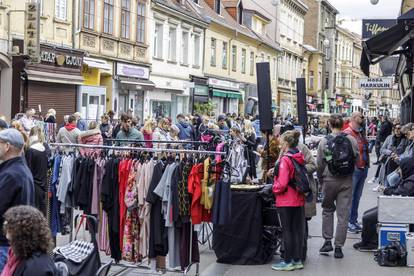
[
  {"x": 196, "y": 56},
  {"x": 213, "y": 52},
  {"x": 61, "y": 9},
  {"x": 158, "y": 38},
  {"x": 184, "y": 46},
  {"x": 172, "y": 43},
  {"x": 224, "y": 55},
  {"x": 243, "y": 61}
]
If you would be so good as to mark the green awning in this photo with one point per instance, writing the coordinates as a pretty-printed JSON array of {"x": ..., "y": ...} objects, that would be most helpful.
[{"x": 227, "y": 94}]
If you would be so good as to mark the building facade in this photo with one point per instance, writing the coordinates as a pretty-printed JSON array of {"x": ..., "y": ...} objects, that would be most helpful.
[
  {"x": 291, "y": 26},
  {"x": 320, "y": 41},
  {"x": 234, "y": 43},
  {"x": 176, "y": 45}
]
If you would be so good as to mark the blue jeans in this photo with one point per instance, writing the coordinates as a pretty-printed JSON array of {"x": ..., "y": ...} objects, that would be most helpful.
[
  {"x": 358, "y": 181},
  {"x": 3, "y": 256},
  {"x": 392, "y": 179}
]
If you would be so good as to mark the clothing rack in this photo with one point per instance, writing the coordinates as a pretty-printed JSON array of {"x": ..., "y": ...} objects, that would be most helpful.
[
  {"x": 155, "y": 141},
  {"x": 140, "y": 265},
  {"x": 135, "y": 148}
]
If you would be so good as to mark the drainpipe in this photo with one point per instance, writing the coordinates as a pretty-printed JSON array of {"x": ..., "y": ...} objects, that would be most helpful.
[{"x": 74, "y": 6}]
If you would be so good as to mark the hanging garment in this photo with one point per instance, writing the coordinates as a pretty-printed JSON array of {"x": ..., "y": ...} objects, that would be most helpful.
[
  {"x": 54, "y": 202},
  {"x": 194, "y": 188},
  {"x": 130, "y": 251},
  {"x": 185, "y": 245},
  {"x": 110, "y": 204},
  {"x": 99, "y": 170},
  {"x": 64, "y": 182},
  {"x": 158, "y": 244},
  {"x": 222, "y": 204},
  {"x": 124, "y": 168},
  {"x": 85, "y": 186}
]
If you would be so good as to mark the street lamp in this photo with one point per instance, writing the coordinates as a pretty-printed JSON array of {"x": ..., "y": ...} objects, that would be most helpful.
[
  {"x": 277, "y": 2},
  {"x": 374, "y": 2}
]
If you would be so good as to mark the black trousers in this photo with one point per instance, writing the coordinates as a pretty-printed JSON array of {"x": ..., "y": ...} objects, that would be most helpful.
[
  {"x": 369, "y": 233},
  {"x": 293, "y": 228}
]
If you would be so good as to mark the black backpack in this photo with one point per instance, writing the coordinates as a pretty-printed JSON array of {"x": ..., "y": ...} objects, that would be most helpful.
[
  {"x": 339, "y": 155},
  {"x": 394, "y": 254},
  {"x": 300, "y": 182}
]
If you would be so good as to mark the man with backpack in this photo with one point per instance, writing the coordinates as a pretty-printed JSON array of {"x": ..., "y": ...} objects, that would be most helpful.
[
  {"x": 336, "y": 157},
  {"x": 356, "y": 130}
]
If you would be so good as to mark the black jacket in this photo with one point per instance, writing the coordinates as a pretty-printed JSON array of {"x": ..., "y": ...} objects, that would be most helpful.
[
  {"x": 406, "y": 185},
  {"x": 39, "y": 264},
  {"x": 16, "y": 188},
  {"x": 385, "y": 131}
]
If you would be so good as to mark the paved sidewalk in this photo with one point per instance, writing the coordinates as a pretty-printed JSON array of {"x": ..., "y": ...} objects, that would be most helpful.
[{"x": 354, "y": 262}]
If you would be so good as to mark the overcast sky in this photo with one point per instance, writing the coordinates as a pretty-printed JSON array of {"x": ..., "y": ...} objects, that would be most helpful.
[{"x": 358, "y": 9}]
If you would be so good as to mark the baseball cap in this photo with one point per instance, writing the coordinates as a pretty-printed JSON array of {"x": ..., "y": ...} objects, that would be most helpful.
[
  {"x": 3, "y": 124},
  {"x": 221, "y": 117},
  {"x": 13, "y": 137}
]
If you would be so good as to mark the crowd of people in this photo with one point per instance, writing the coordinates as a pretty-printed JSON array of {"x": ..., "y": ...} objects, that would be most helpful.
[{"x": 341, "y": 164}]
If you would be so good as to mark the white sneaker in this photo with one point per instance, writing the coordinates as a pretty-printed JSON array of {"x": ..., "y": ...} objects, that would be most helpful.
[
  {"x": 377, "y": 188},
  {"x": 372, "y": 180}
]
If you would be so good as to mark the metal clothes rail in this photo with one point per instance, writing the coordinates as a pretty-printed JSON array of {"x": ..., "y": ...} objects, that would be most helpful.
[
  {"x": 155, "y": 141},
  {"x": 135, "y": 148}
]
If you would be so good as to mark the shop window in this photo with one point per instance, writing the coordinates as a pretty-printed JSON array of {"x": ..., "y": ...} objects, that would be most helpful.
[
  {"x": 108, "y": 17},
  {"x": 125, "y": 18},
  {"x": 141, "y": 11},
  {"x": 160, "y": 109}
]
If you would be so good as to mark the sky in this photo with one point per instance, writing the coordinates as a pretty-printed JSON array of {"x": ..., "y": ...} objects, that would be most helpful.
[{"x": 355, "y": 10}]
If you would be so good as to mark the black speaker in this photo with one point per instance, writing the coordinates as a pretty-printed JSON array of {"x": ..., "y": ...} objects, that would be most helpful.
[
  {"x": 301, "y": 101},
  {"x": 264, "y": 91}
]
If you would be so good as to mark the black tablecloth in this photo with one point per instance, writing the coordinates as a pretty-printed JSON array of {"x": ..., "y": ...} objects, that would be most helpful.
[{"x": 241, "y": 241}]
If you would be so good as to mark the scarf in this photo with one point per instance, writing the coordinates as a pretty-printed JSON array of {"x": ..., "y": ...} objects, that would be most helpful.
[
  {"x": 11, "y": 265},
  {"x": 70, "y": 127}
]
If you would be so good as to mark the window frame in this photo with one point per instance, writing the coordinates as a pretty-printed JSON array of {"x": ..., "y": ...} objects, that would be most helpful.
[
  {"x": 234, "y": 58},
  {"x": 196, "y": 54},
  {"x": 252, "y": 57},
  {"x": 108, "y": 20},
  {"x": 58, "y": 8},
  {"x": 89, "y": 14},
  {"x": 141, "y": 18},
  {"x": 224, "y": 55},
  {"x": 243, "y": 61},
  {"x": 217, "y": 6},
  {"x": 126, "y": 19},
  {"x": 158, "y": 37},
  {"x": 172, "y": 45},
  {"x": 213, "y": 52},
  {"x": 184, "y": 46}
]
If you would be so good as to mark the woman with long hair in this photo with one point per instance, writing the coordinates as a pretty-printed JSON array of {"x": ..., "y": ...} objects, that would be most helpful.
[
  {"x": 37, "y": 157},
  {"x": 290, "y": 203},
  {"x": 30, "y": 241},
  {"x": 249, "y": 139},
  {"x": 161, "y": 133},
  {"x": 148, "y": 130}
]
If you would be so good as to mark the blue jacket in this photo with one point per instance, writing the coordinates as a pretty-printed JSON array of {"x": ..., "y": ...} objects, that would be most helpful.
[
  {"x": 82, "y": 125},
  {"x": 16, "y": 188},
  {"x": 186, "y": 131}
]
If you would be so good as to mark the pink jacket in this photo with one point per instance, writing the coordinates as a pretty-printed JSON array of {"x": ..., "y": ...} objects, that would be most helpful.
[
  {"x": 286, "y": 196},
  {"x": 90, "y": 137}
]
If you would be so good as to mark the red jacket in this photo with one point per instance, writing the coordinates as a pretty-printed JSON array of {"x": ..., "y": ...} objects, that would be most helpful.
[
  {"x": 286, "y": 196},
  {"x": 363, "y": 158}
]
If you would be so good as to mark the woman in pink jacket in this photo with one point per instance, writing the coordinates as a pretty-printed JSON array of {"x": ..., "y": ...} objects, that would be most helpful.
[
  {"x": 92, "y": 136},
  {"x": 290, "y": 203}
]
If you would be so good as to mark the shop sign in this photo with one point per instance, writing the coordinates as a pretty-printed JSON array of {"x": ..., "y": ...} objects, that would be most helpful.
[
  {"x": 66, "y": 60},
  {"x": 224, "y": 84},
  {"x": 32, "y": 30},
  {"x": 373, "y": 27},
  {"x": 200, "y": 90},
  {"x": 132, "y": 71},
  {"x": 376, "y": 83}
]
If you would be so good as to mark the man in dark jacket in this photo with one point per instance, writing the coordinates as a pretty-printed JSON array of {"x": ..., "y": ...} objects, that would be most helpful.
[
  {"x": 16, "y": 181},
  {"x": 369, "y": 236},
  {"x": 384, "y": 131},
  {"x": 186, "y": 130}
]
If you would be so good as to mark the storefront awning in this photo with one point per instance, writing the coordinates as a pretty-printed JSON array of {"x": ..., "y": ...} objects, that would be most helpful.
[
  {"x": 390, "y": 42},
  {"x": 144, "y": 83},
  {"x": 42, "y": 76},
  {"x": 96, "y": 63},
  {"x": 226, "y": 94}
]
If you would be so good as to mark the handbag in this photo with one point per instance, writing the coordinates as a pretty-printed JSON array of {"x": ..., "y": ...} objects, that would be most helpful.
[{"x": 80, "y": 258}]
